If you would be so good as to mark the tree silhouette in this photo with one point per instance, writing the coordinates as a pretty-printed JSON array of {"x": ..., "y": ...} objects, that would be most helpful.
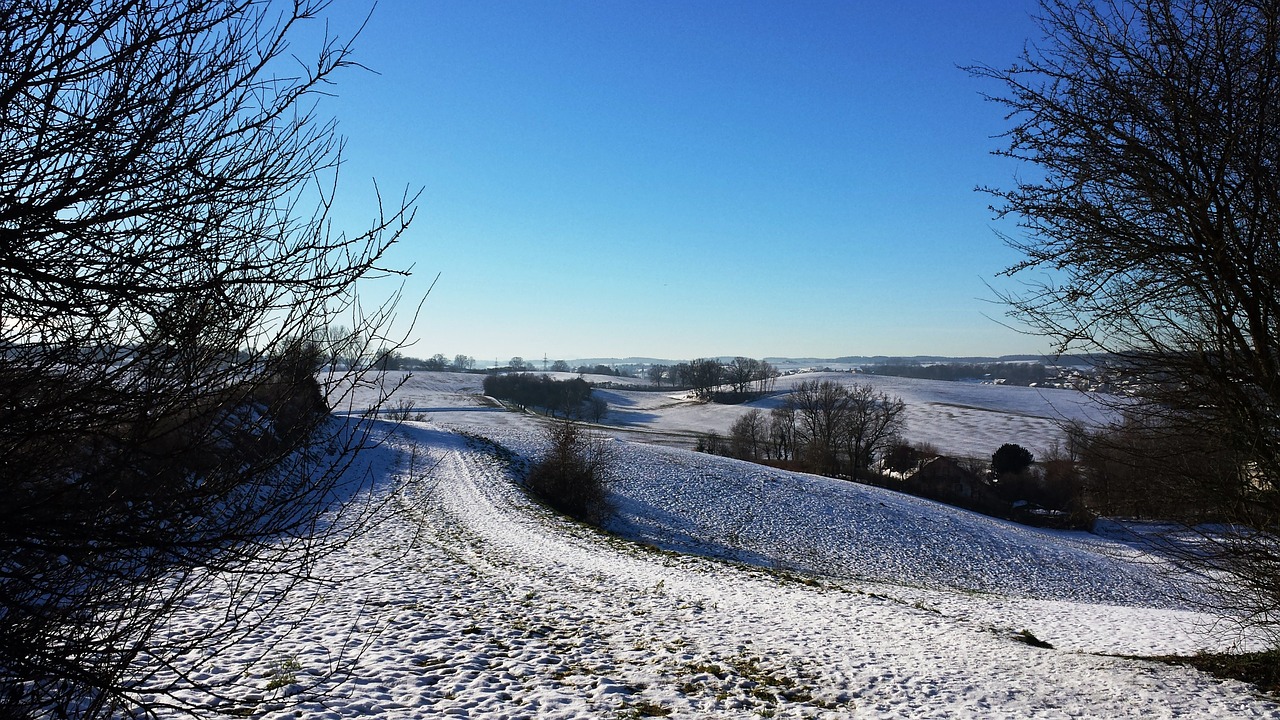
[
  {"x": 1154, "y": 208},
  {"x": 1011, "y": 458},
  {"x": 168, "y": 277}
]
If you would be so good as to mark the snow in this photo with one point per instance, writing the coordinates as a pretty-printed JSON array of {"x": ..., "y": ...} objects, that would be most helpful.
[
  {"x": 789, "y": 596},
  {"x": 963, "y": 419}
]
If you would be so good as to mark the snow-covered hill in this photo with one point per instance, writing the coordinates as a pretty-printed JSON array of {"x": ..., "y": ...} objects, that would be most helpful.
[
  {"x": 472, "y": 600},
  {"x": 964, "y": 419}
]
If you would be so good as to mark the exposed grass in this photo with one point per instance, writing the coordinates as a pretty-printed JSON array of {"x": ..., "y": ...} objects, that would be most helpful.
[
  {"x": 1261, "y": 669},
  {"x": 1025, "y": 636},
  {"x": 644, "y": 708},
  {"x": 283, "y": 673}
]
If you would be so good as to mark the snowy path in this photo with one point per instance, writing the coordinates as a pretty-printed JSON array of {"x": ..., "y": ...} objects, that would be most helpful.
[{"x": 486, "y": 605}]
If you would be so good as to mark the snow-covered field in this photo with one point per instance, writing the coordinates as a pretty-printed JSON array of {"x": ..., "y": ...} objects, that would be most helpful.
[
  {"x": 827, "y": 599},
  {"x": 964, "y": 419}
]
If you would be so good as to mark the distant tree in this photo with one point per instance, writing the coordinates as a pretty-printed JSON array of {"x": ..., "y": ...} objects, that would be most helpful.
[
  {"x": 1011, "y": 459},
  {"x": 656, "y": 373},
  {"x": 741, "y": 372},
  {"x": 562, "y": 398},
  {"x": 436, "y": 362},
  {"x": 387, "y": 359},
  {"x": 517, "y": 363},
  {"x": 765, "y": 378},
  {"x": 840, "y": 428},
  {"x": 567, "y": 398},
  {"x": 1139, "y": 467},
  {"x": 340, "y": 345},
  {"x": 902, "y": 458},
  {"x": 560, "y": 366},
  {"x": 871, "y": 421},
  {"x": 704, "y": 375},
  {"x": 462, "y": 363},
  {"x": 682, "y": 375},
  {"x": 820, "y": 407},
  {"x": 749, "y": 435},
  {"x": 597, "y": 408},
  {"x": 710, "y": 443},
  {"x": 782, "y": 431}
]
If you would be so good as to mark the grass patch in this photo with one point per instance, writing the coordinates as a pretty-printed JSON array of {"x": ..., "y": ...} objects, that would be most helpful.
[
  {"x": 1261, "y": 669},
  {"x": 1025, "y": 637},
  {"x": 644, "y": 708},
  {"x": 283, "y": 673}
]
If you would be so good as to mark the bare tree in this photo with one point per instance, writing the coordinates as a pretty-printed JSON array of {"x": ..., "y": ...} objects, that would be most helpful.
[
  {"x": 167, "y": 269},
  {"x": 766, "y": 377},
  {"x": 1155, "y": 208},
  {"x": 830, "y": 425},
  {"x": 681, "y": 375},
  {"x": 782, "y": 431},
  {"x": 741, "y": 372},
  {"x": 705, "y": 374},
  {"x": 820, "y": 407},
  {"x": 597, "y": 408},
  {"x": 871, "y": 422},
  {"x": 656, "y": 373},
  {"x": 342, "y": 346},
  {"x": 749, "y": 435}
]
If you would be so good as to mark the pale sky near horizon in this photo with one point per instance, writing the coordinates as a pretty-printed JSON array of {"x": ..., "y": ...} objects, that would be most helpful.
[{"x": 684, "y": 179}]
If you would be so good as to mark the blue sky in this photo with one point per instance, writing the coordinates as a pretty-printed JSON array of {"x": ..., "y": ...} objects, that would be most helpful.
[{"x": 685, "y": 179}]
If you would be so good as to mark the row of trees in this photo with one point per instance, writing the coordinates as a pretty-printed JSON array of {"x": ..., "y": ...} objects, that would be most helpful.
[
  {"x": 1141, "y": 467},
  {"x": 438, "y": 362},
  {"x": 519, "y": 364},
  {"x": 1014, "y": 373},
  {"x": 823, "y": 427},
  {"x": 561, "y": 398},
  {"x": 744, "y": 376}
]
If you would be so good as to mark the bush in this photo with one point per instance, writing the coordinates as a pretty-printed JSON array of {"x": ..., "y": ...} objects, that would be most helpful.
[
  {"x": 573, "y": 477},
  {"x": 902, "y": 458},
  {"x": 1011, "y": 458}
]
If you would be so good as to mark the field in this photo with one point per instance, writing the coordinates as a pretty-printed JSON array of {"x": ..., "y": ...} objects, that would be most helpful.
[{"x": 725, "y": 589}]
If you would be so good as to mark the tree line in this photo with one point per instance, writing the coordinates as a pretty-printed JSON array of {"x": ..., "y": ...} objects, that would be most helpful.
[
  {"x": 745, "y": 378},
  {"x": 560, "y": 398},
  {"x": 822, "y": 427},
  {"x": 1012, "y": 373}
]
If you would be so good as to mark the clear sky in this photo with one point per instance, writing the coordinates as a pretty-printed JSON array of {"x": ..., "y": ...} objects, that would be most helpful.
[{"x": 689, "y": 178}]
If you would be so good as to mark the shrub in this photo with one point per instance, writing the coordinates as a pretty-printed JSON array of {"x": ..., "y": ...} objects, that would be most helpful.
[
  {"x": 1011, "y": 458},
  {"x": 902, "y": 458},
  {"x": 574, "y": 475}
]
